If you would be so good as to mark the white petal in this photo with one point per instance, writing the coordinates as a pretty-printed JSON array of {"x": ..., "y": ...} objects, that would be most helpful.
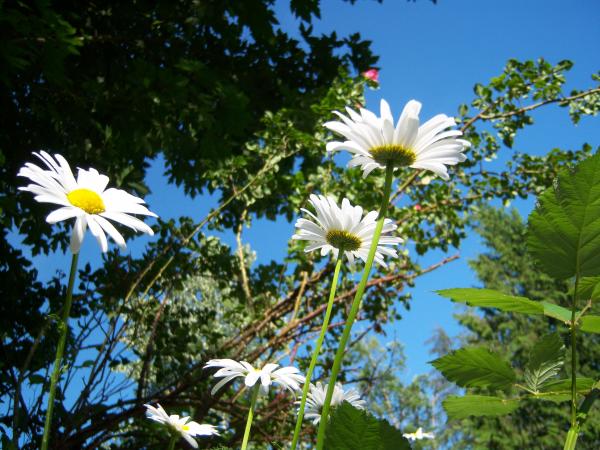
[
  {"x": 97, "y": 232},
  {"x": 78, "y": 233},
  {"x": 252, "y": 378},
  {"x": 190, "y": 440},
  {"x": 129, "y": 221},
  {"x": 112, "y": 231},
  {"x": 64, "y": 213}
]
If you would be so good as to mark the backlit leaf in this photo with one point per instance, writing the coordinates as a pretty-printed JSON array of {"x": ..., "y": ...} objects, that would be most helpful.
[
  {"x": 476, "y": 367},
  {"x": 489, "y": 298},
  {"x": 564, "y": 229}
]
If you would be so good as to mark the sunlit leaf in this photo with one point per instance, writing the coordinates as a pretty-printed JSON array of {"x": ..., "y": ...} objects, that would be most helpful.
[
  {"x": 489, "y": 298},
  {"x": 476, "y": 367},
  {"x": 545, "y": 361},
  {"x": 590, "y": 324},
  {"x": 556, "y": 312},
  {"x": 564, "y": 229}
]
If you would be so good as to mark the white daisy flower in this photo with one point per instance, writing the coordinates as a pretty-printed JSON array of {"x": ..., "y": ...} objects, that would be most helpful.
[
  {"x": 375, "y": 142},
  {"x": 187, "y": 428},
  {"x": 86, "y": 199},
  {"x": 334, "y": 229},
  {"x": 288, "y": 377},
  {"x": 316, "y": 398},
  {"x": 418, "y": 435}
]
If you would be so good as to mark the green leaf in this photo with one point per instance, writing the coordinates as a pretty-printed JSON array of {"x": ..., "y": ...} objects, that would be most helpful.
[
  {"x": 549, "y": 348},
  {"x": 489, "y": 298},
  {"x": 556, "y": 312},
  {"x": 560, "y": 386},
  {"x": 545, "y": 361},
  {"x": 7, "y": 443},
  {"x": 590, "y": 324},
  {"x": 564, "y": 229},
  {"x": 478, "y": 405},
  {"x": 553, "y": 397},
  {"x": 354, "y": 429},
  {"x": 36, "y": 379},
  {"x": 588, "y": 288},
  {"x": 476, "y": 367}
]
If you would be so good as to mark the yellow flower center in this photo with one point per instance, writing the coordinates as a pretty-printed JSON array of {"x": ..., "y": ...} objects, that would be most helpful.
[
  {"x": 185, "y": 427},
  {"x": 393, "y": 154},
  {"x": 342, "y": 239},
  {"x": 87, "y": 200}
]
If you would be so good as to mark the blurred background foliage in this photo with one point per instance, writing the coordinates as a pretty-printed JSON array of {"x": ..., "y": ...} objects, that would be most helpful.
[{"x": 236, "y": 106}]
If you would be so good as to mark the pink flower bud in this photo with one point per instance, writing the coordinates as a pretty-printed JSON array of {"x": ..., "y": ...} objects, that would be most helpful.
[
  {"x": 372, "y": 74},
  {"x": 418, "y": 207}
]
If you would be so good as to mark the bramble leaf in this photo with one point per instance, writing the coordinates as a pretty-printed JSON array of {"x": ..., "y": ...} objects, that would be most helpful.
[
  {"x": 478, "y": 405},
  {"x": 588, "y": 288},
  {"x": 354, "y": 429},
  {"x": 556, "y": 312},
  {"x": 564, "y": 229},
  {"x": 545, "y": 361},
  {"x": 489, "y": 298},
  {"x": 476, "y": 367},
  {"x": 590, "y": 324},
  {"x": 564, "y": 386}
]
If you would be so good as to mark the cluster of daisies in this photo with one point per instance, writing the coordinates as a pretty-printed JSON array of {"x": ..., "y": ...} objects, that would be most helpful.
[
  {"x": 375, "y": 143},
  {"x": 339, "y": 229},
  {"x": 258, "y": 380}
]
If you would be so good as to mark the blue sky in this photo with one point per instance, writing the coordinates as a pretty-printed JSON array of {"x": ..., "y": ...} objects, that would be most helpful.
[
  {"x": 433, "y": 53},
  {"x": 436, "y": 53}
]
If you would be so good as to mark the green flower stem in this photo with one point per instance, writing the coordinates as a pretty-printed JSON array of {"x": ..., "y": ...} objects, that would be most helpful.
[
  {"x": 317, "y": 350},
  {"x": 172, "y": 442},
  {"x": 571, "y": 440},
  {"x": 574, "y": 356},
  {"x": 59, "y": 352},
  {"x": 337, "y": 362},
  {"x": 250, "y": 415}
]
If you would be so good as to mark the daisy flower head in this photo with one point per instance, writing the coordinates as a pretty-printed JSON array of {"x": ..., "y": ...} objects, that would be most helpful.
[
  {"x": 85, "y": 199},
  {"x": 288, "y": 377},
  {"x": 334, "y": 229},
  {"x": 376, "y": 143},
  {"x": 316, "y": 398},
  {"x": 418, "y": 435},
  {"x": 187, "y": 428}
]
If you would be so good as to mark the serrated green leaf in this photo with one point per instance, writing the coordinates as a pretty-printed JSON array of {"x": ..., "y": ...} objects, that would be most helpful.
[
  {"x": 545, "y": 361},
  {"x": 354, "y": 429},
  {"x": 590, "y": 324},
  {"x": 476, "y": 367},
  {"x": 553, "y": 397},
  {"x": 489, "y": 298},
  {"x": 549, "y": 348},
  {"x": 588, "y": 288},
  {"x": 556, "y": 312},
  {"x": 564, "y": 229},
  {"x": 560, "y": 386},
  {"x": 391, "y": 438},
  {"x": 478, "y": 405}
]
